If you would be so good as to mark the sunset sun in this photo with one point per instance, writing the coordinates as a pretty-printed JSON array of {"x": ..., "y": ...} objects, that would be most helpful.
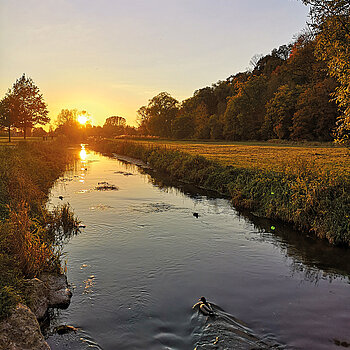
[{"x": 82, "y": 119}]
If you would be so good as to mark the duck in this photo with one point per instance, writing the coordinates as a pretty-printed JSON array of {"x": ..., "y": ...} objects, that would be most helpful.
[
  {"x": 196, "y": 215},
  {"x": 60, "y": 197},
  {"x": 204, "y": 307}
]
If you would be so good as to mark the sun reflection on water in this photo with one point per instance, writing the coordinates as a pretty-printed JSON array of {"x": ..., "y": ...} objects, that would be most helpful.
[
  {"x": 83, "y": 156},
  {"x": 83, "y": 153}
]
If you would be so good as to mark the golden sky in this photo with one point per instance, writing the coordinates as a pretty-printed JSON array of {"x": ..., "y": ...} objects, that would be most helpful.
[{"x": 109, "y": 57}]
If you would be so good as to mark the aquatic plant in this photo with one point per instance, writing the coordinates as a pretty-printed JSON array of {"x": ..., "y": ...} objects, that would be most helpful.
[{"x": 61, "y": 224}]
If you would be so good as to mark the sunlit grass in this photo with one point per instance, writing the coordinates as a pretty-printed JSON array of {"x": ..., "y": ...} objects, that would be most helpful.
[
  {"x": 276, "y": 157},
  {"x": 15, "y": 139}
]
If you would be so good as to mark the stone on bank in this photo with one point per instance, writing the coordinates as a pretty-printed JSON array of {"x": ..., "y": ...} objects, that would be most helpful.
[{"x": 21, "y": 329}]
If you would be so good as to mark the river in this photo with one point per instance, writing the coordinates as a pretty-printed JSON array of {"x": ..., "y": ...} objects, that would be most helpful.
[{"x": 144, "y": 259}]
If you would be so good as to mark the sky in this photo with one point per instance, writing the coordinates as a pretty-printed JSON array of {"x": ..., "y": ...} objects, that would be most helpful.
[{"x": 110, "y": 57}]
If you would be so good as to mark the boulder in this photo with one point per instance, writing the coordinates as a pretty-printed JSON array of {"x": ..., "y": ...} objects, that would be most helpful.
[
  {"x": 21, "y": 331},
  {"x": 51, "y": 290},
  {"x": 38, "y": 293},
  {"x": 59, "y": 294}
]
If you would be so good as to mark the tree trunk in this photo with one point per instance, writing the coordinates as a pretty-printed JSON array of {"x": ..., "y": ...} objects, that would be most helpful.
[
  {"x": 9, "y": 131},
  {"x": 25, "y": 131}
]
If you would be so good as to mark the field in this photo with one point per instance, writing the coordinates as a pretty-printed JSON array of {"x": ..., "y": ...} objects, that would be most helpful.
[{"x": 264, "y": 155}]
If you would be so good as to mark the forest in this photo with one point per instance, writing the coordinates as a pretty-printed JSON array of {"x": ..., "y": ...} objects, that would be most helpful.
[{"x": 287, "y": 95}]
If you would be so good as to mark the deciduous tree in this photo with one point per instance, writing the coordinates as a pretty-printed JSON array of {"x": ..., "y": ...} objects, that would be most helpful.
[
  {"x": 8, "y": 112},
  {"x": 245, "y": 111},
  {"x": 31, "y": 108},
  {"x": 115, "y": 121},
  {"x": 114, "y": 126},
  {"x": 331, "y": 22},
  {"x": 280, "y": 111},
  {"x": 315, "y": 115},
  {"x": 159, "y": 115}
]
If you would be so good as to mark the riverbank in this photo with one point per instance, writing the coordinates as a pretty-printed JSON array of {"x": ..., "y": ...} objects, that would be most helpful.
[
  {"x": 313, "y": 198},
  {"x": 30, "y": 236}
]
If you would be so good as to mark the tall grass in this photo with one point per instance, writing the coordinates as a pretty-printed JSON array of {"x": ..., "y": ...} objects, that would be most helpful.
[
  {"x": 30, "y": 236},
  {"x": 310, "y": 197}
]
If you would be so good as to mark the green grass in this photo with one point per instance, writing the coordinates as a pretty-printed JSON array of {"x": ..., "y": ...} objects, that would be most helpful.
[{"x": 310, "y": 191}]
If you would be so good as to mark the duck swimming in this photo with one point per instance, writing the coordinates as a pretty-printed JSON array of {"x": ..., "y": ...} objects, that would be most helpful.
[{"x": 204, "y": 307}]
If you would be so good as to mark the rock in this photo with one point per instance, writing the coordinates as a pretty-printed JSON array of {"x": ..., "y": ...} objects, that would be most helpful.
[
  {"x": 38, "y": 297},
  {"x": 21, "y": 331},
  {"x": 59, "y": 294},
  {"x": 48, "y": 291}
]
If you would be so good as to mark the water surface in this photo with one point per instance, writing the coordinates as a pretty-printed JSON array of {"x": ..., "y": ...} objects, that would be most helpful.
[{"x": 143, "y": 260}]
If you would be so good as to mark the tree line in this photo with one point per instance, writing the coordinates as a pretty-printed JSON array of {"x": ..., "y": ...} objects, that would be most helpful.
[
  {"x": 67, "y": 124},
  {"x": 299, "y": 91},
  {"x": 23, "y": 108}
]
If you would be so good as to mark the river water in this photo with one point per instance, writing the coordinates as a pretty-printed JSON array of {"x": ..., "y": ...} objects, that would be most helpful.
[{"x": 144, "y": 259}]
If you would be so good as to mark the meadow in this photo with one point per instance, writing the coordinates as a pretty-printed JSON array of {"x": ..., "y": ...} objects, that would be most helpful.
[
  {"x": 265, "y": 155},
  {"x": 307, "y": 186}
]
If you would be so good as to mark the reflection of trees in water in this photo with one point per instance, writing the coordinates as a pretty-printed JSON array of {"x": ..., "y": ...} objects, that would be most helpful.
[
  {"x": 168, "y": 185},
  {"x": 315, "y": 259}
]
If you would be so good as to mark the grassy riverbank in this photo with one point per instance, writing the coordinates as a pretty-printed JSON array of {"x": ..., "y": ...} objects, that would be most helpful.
[
  {"x": 28, "y": 232},
  {"x": 308, "y": 187},
  {"x": 264, "y": 155}
]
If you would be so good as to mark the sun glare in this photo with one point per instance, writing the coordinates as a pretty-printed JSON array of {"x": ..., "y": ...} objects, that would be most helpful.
[
  {"x": 82, "y": 119},
  {"x": 83, "y": 153}
]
